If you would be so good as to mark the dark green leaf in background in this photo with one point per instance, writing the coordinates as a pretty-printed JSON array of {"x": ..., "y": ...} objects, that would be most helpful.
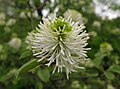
[
  {"x": 109, "y": 75},
  {"x": 40, "y": 85},
  {"x": 28, "y": 66},
  {"x": 44, "y": 74},
  {"x": 115, "y": 68},
  {"x": 26, "y": 54}
]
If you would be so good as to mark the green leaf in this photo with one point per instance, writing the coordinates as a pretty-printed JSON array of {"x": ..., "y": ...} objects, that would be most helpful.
[
  {"x": 40, "y": 85},
  {"x": 115, "y": 68},
  {"x": 109, "y": 75},
  {"x": 98, "y": 58},
  {"x": 26, "y": 67},
  {"x": 44, "y": 74},
  {"x": 25, "y": 54},
  {"x": 7, "y": 76},
  {"x": 97, "y": 62}
]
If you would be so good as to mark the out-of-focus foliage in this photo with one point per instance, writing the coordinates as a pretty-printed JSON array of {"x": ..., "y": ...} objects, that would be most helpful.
[{"x": 18, "y": 17}]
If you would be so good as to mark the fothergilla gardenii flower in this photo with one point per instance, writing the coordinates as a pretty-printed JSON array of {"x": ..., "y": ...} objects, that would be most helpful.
[{"x": 61, "y": 42}]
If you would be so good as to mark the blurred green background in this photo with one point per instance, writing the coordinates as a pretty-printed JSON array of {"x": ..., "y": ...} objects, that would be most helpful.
[{"x": 102, "y": 21}]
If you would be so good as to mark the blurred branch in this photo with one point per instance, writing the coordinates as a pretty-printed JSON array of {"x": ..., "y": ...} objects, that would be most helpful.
[
  {"x": 31, "y": 15},
  {"x": 39, "y": 8},
  {"x": 55, "y": 5},
  {"x": 30, "y": 19}
]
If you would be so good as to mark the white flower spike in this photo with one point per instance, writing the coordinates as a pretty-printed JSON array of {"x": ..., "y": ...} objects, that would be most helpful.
[{"x": 60, "y": 41}]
